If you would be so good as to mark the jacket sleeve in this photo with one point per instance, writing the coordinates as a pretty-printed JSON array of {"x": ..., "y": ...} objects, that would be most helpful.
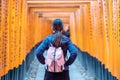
[
  {"x": 73, "y": 53},
  {"x": 40, "y": 50}
]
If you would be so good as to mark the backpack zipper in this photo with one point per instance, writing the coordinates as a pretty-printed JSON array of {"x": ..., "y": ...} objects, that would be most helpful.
[{"x": 54, "y": 59}]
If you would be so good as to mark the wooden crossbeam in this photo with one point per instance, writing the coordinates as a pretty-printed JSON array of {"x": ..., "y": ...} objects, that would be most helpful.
[
  {"x": 52, "y": 5},
  {"x": 57, "y": 3},
  {"x": 54, "y": 9},
  {"x": 58, "y": 14},
  {"x": 61, "y": 0}
]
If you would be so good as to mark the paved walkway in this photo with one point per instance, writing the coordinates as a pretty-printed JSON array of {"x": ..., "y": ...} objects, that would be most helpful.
[
  {"x": 36, "y": 71},
  {"x": 74, "y": 73}
]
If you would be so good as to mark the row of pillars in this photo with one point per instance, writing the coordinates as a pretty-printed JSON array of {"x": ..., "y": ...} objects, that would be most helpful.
[
  {"x": 20, "y": 72},
  {"x": 94, "y": 67}
]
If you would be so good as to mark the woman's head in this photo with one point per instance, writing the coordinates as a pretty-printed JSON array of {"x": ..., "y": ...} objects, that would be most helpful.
[{"x": 57, "y": 25}]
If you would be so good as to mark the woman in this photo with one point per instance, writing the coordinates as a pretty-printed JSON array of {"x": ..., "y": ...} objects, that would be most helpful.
[{"x": 58, "y": 40}]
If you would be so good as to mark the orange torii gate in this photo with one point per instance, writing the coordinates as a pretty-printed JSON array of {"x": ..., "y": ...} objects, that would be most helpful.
[{"x": 94, "y": 27}]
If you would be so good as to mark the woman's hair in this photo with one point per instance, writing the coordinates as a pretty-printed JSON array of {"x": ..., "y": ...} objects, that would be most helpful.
[{"x": 57, "y": 27}]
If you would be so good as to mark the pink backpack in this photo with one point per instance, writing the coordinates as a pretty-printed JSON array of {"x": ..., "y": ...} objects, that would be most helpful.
[{"x": 55, "y": 59}]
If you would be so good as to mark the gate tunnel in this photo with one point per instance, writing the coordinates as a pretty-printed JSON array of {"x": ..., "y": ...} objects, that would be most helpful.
[{"x": 94, "y": 29}]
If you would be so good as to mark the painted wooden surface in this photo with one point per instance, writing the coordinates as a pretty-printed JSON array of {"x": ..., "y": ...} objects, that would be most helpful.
[{"x": 94, "y": 28}]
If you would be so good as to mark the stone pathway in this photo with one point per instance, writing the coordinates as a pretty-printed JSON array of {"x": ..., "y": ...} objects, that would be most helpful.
[
  {"x": 33, "y": 70},
  {"x": 77, "y": 72}
]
